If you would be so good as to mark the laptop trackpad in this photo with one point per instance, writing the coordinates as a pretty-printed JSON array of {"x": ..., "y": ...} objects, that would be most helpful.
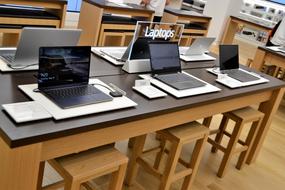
[{"x": 188, "y": 85}]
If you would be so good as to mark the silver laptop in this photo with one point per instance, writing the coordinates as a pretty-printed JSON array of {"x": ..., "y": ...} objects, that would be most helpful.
[
  {"x": 197, "y": 51},
  {"x": 27, "y": 53}
]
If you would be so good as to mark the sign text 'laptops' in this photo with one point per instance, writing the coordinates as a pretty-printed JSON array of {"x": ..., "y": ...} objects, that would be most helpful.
[
  {"x": 145, "y": 31},
  {"x": 165, "y": 65},
  {"x": 64, "y": 75}
]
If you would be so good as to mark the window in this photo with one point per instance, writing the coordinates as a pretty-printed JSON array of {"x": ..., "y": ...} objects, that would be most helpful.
[{"x": 74, "y": 5}]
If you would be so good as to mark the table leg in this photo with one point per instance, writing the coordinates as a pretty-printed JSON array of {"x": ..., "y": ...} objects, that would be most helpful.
[
  {"x": 133, "y": 166},
  {"x": 90, "y": 30},
  {"x": 19, "y": 166},
  {"x": 230, "y": 32},
  {"x": 269, "y": 108},
  {"x": 258, "y": 60}
]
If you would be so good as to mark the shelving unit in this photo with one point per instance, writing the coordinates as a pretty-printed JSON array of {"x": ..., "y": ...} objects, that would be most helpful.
[
  {"x": 194, "y": 5},
  {"x": 260, "y": 12},
  {"x": 16, "y": 14},
  {"x": 196, "y": 24},
  {"x": 108, "y": 23}
]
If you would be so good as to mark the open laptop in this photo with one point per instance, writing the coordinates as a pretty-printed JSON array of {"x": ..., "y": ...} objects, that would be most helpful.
[
  {"x": 63, "y": 76},
  {"x": 27, "y": 53},
  {"x": 165, "y": 66},
  {"x": 198, "y": 49},
  {"x": 229, "y": 64}
]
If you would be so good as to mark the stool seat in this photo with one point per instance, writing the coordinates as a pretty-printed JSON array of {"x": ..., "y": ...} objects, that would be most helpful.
[
  {"x": 84, "y": 164},
  {"x": 246, "y": 114},
  {"x": 78, "y": 169},
  {"x": 186, "y": 131}
]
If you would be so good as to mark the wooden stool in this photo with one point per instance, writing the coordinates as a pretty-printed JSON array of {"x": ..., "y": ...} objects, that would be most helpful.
[
  {"x": 78, "y": 169},
  {"x": 177, "y": 136},
  {"x": 241, "y": 117}
]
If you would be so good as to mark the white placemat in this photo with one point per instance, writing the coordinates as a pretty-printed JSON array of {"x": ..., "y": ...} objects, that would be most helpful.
[
  {"x": 26, "y": 111},
  {"x": 58, "y": 113},
  {"x": 208, "y": 88},
  {"x": 233, "y": 83}
]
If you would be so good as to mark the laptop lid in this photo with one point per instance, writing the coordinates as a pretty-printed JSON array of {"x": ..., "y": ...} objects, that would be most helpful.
[
  {"x": 200, "y": 46},
  {"x": 33, "y": 38},
  {"x": 229, "y": 57},
  {"x": 63, "y": 66},
  {"x": 164, "y": 57}
]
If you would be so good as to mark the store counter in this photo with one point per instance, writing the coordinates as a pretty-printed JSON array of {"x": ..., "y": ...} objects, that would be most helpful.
[{"x": 23, "y": 147}]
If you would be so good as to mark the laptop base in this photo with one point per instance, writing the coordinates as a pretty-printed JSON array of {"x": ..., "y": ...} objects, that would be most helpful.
[
  {"x": 96, "y": 96},
  {"x": 4, "y": 67},
  {"x": 137, "y": 66}
]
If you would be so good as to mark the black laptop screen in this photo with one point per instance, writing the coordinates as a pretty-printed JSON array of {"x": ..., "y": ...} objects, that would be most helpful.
[
  {"x": 164, "y": 57},
  {"x": 60, "y": 66},
  {"x": 229, "y": 58}
]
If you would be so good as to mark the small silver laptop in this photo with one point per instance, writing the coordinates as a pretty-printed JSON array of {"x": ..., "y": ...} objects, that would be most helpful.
[
  {"x": 198, "y": 49},
  {"x": 27, "y": 53}
]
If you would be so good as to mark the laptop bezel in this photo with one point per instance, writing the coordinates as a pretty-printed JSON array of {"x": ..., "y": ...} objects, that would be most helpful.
[
  {"x": 165, "y": 71},
  {"x": 42, "y": 88}
]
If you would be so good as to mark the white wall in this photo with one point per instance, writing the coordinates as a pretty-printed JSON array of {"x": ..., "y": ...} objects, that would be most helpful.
[{"x": 220, "y": 10}]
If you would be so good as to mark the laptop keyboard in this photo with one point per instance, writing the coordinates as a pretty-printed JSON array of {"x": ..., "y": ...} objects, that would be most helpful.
[
  {"x": 73, "y": 91},
  {"x": 9, "y": 58},
  {"x": 241, "y": 76},
  {"x": 180, "y": 81}
]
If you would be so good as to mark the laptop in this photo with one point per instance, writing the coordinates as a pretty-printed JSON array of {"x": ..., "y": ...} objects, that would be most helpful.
[
  {"x": 63, "y": 76},
  {"x": 138, "y": 50},
  {"x": 198, "y": 49},
  {"x": 229, "y": 64},
  {"x": 27, "y": 53},
  {"x": 165, "y": 66}
]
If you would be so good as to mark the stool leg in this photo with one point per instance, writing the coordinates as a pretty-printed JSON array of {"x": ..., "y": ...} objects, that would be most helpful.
[
  {"x": 133, "y": 166},
  {"x": 131, "y": 142},
  {"x": 248, "y": 142},
  {"x": 194, "y": 163},
  {"x": 207, "y": 121},
  {"x": 71, "y": 184},
  {"x": 171, "y": 163},
  {"x": 159, "y": 155},
  {"x": 230, "y": 148},
  {"x": 41, "y": 175},
  {"x": 220, "y": 135},
  {"x": 118, "y": 178}
]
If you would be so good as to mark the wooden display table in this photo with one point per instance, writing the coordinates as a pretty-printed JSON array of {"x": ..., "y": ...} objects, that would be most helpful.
[
  {"x": 23, "y": 147},
  {"x": 196, "y": 24},
  {"x": 264, "y": 55},
  {"x": 233, "y": 24},
  {"x": 43, "y": 13},
  {"x": 97, "y": 32}
]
